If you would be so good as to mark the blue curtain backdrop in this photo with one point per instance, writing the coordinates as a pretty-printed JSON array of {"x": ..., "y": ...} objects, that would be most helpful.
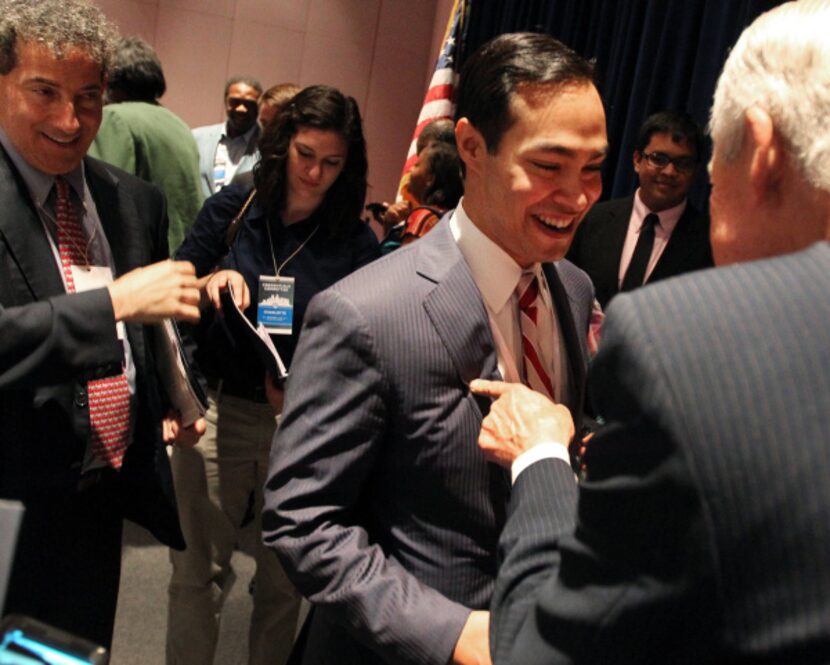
[{"x": 651, "y": 55}]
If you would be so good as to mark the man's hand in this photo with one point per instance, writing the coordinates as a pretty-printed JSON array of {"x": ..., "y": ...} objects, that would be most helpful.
[
  {"x": 174, "y": 434},
  {"x": 473, "y": 646},
  {"x": 163, "y": 290},
  {"x": 518, "y": 420},
  {"x": 220, "y": 280}
]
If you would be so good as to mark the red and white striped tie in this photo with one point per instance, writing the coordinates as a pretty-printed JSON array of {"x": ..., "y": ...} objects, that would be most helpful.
[
  {"x": 536, "y": 376},
  {"x": 109, "y": 399}
]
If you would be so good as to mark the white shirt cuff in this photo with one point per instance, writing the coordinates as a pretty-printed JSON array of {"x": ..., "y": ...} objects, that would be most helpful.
[{"x": 547, "y": 450}]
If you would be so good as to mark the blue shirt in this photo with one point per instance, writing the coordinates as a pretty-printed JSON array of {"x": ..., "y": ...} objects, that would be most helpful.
[{"x": 321, "y": 262}]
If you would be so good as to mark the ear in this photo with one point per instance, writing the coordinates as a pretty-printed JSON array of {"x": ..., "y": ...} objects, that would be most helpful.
[
  {"x": 766, "y": 167},
  {"x": 471, "y": 145},
  {"x": 637, "y": 160}
]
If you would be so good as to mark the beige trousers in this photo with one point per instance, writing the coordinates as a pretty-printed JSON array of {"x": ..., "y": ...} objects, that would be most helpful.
[{"x": 213, "y": 483}]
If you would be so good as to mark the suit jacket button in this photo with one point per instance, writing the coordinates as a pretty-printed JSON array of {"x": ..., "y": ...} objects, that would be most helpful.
[{"x": 81, "y": 398}]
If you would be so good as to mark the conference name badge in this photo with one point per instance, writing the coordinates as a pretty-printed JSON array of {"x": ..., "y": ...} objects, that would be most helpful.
[
  {"x": 88, "y": 278},
  {"x": 275, "y": 306}
]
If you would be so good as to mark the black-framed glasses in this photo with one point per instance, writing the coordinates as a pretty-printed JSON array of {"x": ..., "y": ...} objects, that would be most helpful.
[{"x": 661, "y": 160}]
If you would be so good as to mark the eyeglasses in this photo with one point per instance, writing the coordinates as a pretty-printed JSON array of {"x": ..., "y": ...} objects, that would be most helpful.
[{"x": 661, "y": 160}]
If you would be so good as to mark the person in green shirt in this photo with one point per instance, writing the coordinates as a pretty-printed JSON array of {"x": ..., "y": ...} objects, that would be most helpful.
[{"x": 142, "y": 137}]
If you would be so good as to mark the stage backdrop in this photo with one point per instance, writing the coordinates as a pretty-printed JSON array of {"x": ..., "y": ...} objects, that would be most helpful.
[{"x": 651, "y": 55}]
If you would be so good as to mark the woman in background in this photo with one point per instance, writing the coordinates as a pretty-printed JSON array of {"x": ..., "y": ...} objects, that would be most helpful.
[
  {"x": 435, "y": 180},
  {"x": 295, "y": 233}
]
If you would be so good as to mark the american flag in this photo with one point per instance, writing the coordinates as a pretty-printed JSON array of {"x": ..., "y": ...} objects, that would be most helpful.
[{"x": 438, "y": 100}]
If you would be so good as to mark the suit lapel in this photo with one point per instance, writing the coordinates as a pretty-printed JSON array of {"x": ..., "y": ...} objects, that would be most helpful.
[
  {"x": 574, "y": 343},
  {"x": 25, "y": 236},
  {"x": 455, "y": 308},
  {"x": 681, "y": 242},
  {"x": 609, "y": 244}
]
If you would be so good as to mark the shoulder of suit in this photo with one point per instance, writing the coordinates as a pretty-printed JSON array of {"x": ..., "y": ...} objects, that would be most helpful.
[
  {"x": 115, "y": 176},
  {"x": 208, "y": 130},
  {"x": 575, "y": 280},
  {"x": 611, "y": 207}
]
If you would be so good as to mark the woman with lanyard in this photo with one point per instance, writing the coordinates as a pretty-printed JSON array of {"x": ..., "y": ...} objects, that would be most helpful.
[{"x": 296, "y": 233}]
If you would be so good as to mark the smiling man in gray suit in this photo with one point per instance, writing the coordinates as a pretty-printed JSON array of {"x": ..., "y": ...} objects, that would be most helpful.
[
  {"x": 702, "y": 531},
  {"x": 379, "y": 504}
]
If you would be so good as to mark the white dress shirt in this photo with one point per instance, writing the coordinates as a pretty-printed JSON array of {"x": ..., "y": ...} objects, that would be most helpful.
[{"x": 497, "y": 275}]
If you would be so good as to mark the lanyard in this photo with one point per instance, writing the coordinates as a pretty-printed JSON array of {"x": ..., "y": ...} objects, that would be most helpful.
[{"x": 277, "y": 268}]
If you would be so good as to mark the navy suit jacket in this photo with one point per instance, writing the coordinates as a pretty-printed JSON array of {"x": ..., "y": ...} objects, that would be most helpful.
[
  {"x": 52, "y": 343},
  {"x": 598, "y": 245},
  {"x": 702, "y": 532},
  {"x": 379, "y": 504}
]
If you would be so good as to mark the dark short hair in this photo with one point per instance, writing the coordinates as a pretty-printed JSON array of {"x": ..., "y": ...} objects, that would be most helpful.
[
  {"x": 316, "y": 107},
  {"x": 247, "y": 80},
  {"x": 440, "y": 129},
  {"x": 498, "y": 69},
  {"x": 681, "y": 127},
  {"x": 135, "y": 73},
  {"x": 445, "y": 167}
]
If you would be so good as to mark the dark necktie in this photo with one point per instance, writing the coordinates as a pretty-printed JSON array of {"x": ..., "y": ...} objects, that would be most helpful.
[
  {"x": 109, "y": 399},
  {"x": 636, "y": 273}
]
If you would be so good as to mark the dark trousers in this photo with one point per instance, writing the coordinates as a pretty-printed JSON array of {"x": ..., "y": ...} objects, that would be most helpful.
[{"x": 68, "y": 561}]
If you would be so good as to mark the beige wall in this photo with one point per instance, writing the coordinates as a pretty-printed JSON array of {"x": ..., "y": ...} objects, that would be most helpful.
[{"x": 379, "y": 51}]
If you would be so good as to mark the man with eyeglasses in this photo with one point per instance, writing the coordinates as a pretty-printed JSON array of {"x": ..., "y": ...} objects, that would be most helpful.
[{"x": 654, "y": 233}]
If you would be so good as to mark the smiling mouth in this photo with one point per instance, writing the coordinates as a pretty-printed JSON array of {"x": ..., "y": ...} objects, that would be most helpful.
[
  {"x": 62, "y": 142},
  {"x": 555, "y": 224}
]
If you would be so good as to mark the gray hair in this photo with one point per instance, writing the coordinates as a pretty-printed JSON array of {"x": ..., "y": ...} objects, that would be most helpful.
[
  {"x": 59, "y": 25},
  {"x": 781, "y": 64}
]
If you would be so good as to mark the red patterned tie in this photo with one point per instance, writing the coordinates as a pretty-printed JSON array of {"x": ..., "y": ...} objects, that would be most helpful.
[
  {"x": 536, "y": 376},
  {"x": 109, "y": 399}
]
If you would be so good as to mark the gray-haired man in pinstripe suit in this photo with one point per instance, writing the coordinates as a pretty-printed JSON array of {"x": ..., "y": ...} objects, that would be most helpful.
[{"x": 702, "y": 531}]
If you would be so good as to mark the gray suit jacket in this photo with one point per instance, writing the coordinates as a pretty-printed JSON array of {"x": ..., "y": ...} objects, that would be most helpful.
[
  {"x": 207, "y": 138},
  {"x": 379, "y": 503},
  {"x": 703, "y": 528}
]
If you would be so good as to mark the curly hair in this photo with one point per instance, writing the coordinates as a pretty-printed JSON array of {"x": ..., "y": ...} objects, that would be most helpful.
[
  {"x": 316, "y": 107},
  {"x": 59, "y": 25}
]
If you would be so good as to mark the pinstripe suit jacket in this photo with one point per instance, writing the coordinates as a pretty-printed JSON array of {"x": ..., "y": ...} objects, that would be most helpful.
[
  {"x": 379, "y": 504},
  {"x": 703, "y": 531}
]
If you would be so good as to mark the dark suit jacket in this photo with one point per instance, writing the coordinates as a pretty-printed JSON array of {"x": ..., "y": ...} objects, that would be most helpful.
[
  {"x": 703, "y": 529},
  {"x": 381, "y": 508},
  {"x": 598, "y": 244},
  {"x": 51, "y": 343}
]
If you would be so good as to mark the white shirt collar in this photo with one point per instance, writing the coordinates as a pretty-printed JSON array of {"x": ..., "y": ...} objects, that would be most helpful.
[
  {"x": 668, "y": 218},
  {"x": 495, "y": 273},
  {"x": 243, "y": 139}
]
